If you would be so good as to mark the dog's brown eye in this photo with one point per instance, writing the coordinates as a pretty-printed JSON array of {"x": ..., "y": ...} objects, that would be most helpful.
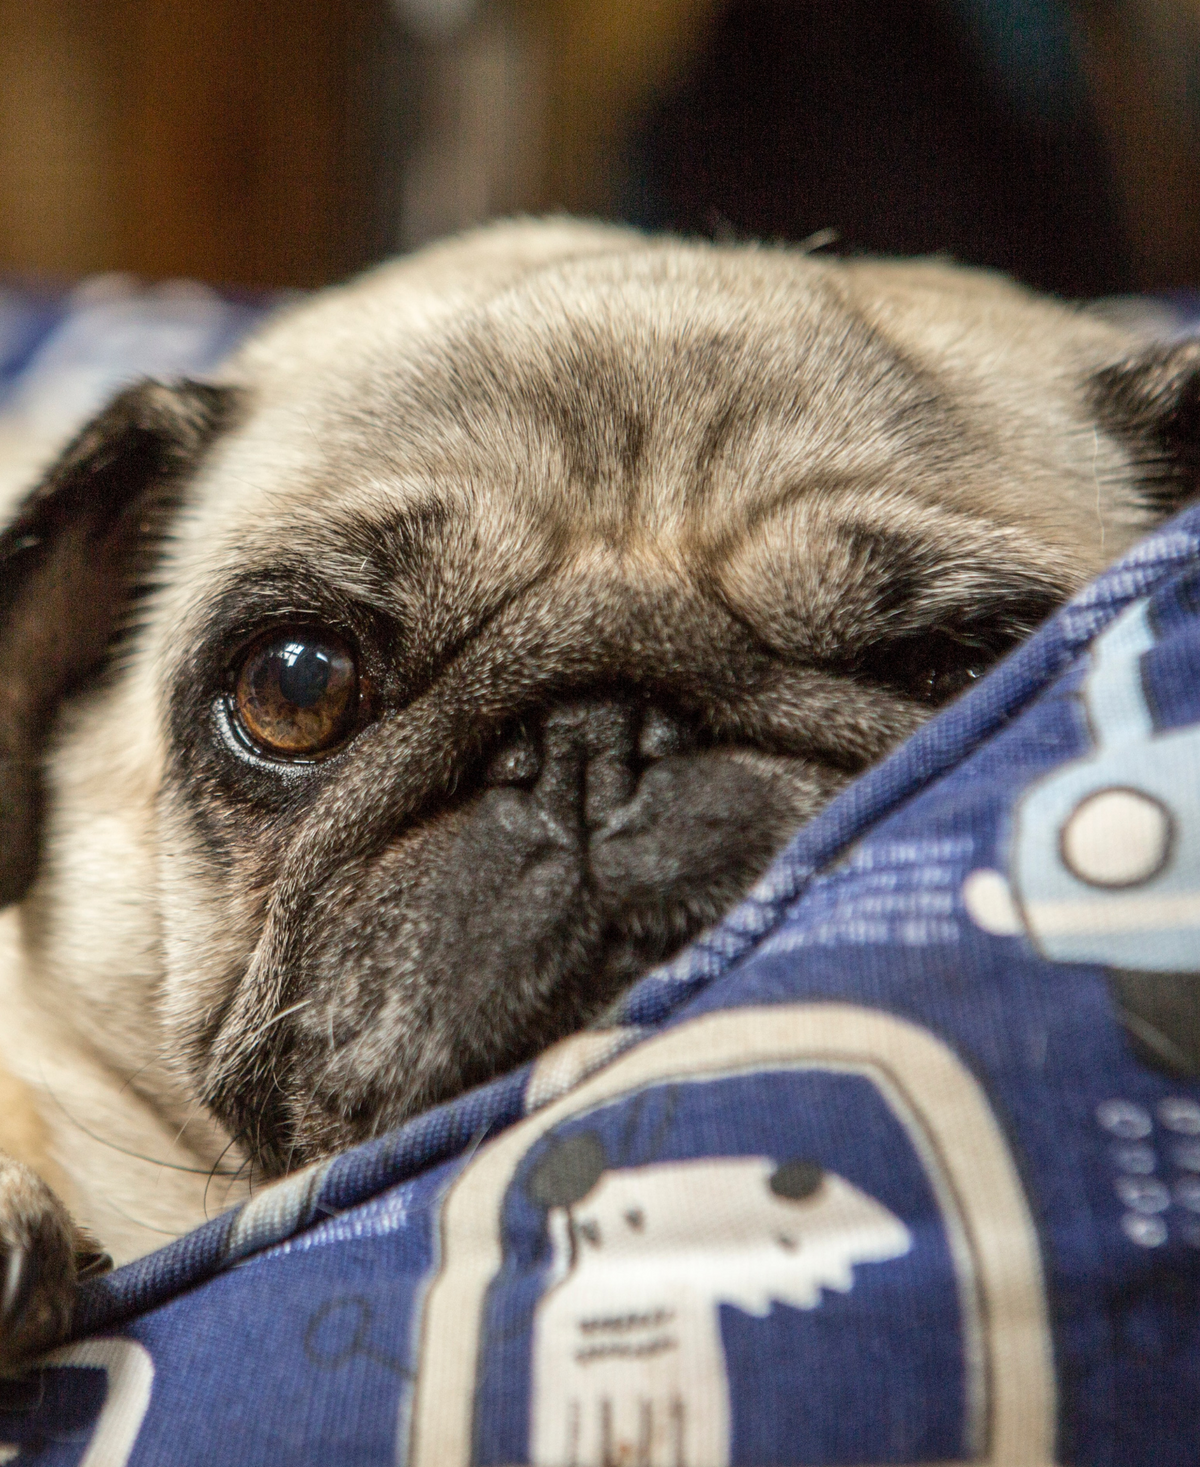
[{"x": 297, "y": 694}]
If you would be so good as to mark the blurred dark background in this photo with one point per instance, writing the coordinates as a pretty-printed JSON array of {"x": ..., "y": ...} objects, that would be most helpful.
[{"x": 271, "y": 144}]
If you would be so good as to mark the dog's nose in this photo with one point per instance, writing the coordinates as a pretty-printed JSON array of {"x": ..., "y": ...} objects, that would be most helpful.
[
  {"x": 588, "y": 752},
  {"x": 584, "y": 762}
]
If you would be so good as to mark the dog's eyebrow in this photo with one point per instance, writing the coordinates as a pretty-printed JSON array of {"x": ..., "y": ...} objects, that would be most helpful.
[
  {"x": 350, "y": 564},
  {"x": 365, "y": 556},
  {"x": 352, "y": 575},
  {"x": 393, "y": 547},
  {"x": 290, "y": 589},
  {"x": 903, "y": 584}
]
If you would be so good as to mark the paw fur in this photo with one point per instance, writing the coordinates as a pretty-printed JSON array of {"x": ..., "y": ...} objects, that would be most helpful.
[{"x": 42, "y": 1257}]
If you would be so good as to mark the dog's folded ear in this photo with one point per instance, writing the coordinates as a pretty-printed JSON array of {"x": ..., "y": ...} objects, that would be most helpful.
[
  {"x": 1152, "y": 401},
  {"x": 68, "y": 563}
]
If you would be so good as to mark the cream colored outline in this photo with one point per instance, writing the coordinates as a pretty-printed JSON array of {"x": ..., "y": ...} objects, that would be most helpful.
[
  {"x": 130, "y": 1381},
  {"x": 942, "y": 1107}
]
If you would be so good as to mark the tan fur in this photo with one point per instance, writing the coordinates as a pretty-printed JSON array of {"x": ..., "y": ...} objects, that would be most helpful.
[
  {"x": 123, "y": 949},
  {"x": 89, "y": 1127},
  {"x": 24, "y": 1136}
]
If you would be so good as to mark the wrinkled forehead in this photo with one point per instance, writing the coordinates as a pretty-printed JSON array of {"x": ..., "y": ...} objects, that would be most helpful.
[{"x": 644, "y": 412}]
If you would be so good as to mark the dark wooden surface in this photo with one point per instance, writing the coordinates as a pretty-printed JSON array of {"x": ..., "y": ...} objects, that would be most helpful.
[
  {"x": 239, "y": 141},
  {"x": 264, "y": 142}
]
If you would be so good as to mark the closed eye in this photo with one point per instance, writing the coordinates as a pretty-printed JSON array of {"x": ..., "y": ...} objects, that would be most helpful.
[{"x": 933, "y": 667}]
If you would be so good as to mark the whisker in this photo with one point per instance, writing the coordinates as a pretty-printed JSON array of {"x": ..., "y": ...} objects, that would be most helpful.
[
  {"x": 274, "y": 1019},
  {"x": 129, "y": 1079},
  {"x": 216, "y": 1168},
  {"x": 314, "y": 1091},
  {"x": 247, "y": 1166},
  {"x": 174, "y": 1166},
  {"x": 137, "y": 1221}
]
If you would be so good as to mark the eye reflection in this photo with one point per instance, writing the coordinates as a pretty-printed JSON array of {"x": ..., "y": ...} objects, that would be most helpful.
[
  {"x": 305, "y": 673},
  {"x": 297, "y": 694}
]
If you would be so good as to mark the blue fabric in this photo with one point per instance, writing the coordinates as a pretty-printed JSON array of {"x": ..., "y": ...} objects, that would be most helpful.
[
  {"x": 63, "y": 354},
  {"x": 26, "y": 320},
  {"x": 871, "y": 1173}
]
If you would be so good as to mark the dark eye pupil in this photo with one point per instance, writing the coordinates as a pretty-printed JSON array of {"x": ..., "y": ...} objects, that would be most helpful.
[
  {"x": 297, "y": 695},
  {"x": 303, "y": 674},
  {"x": 940, "y": 668}
]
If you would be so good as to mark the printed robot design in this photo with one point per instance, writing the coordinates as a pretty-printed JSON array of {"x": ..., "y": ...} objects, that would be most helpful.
[
  {"x": 628, "y": 1363},
  {"x": 1105, "y": 854}
]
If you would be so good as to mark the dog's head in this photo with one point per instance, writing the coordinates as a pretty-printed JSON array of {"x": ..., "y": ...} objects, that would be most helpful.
[{"x": 482, "y": 636}]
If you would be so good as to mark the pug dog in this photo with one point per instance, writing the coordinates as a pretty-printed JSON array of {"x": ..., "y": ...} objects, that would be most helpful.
[{"x": 373, "y": 716}]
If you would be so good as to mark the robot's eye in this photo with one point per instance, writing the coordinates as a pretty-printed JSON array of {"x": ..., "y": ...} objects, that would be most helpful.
[
  {"x": 797, "y": 1180},
  {"x": 1117, "y": 837}
]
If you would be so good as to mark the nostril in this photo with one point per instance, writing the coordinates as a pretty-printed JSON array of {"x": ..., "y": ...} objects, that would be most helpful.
[
  {"x": 516, "y": 761},
  {"x": 664, "y": 734}
]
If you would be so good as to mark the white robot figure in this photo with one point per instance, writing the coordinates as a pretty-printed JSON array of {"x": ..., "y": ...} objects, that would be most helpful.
[
  {"x": 628, "y": 1364},
  {"x": 1104, "y": 863}
]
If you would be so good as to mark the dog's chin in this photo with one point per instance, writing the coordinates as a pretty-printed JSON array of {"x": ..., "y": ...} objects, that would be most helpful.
[{"x": 488, "y": 932}]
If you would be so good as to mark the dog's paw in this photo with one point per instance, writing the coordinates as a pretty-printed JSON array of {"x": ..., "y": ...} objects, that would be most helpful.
[{"x": 43, "y": 1255}]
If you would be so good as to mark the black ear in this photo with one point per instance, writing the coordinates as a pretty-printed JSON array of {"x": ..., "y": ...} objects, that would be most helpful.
[
  {"x": 568, "y": 1171},
  {"x": 1152, "y": 401},
  {"x": 67, "y": 565}
]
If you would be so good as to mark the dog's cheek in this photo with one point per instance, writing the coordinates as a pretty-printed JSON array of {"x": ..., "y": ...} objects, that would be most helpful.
[
  {"x": 214, "y": 908},
  {"x": 446, "y": 966},
  {"x": 90, "y": 923},
  {"x": 485, "y": 934},
  {"x": 211, "y": 928}
]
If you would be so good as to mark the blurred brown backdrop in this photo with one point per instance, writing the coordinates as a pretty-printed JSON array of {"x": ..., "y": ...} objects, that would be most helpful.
[
  {"x": 273, "y": 144},
  {"x": 227, "y": 140}
]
